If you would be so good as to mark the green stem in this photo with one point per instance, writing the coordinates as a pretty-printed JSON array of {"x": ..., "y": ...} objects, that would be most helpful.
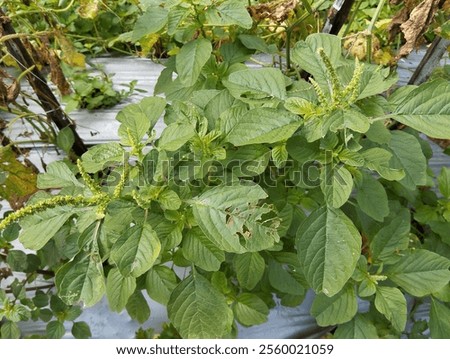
[
  {"x": 290, "y": 28},
  {"x": 19, "y": 36},
  {"x": 370, "y": 29},
  {"x": 41, "y": 10},
  {"x": 307, "y": 6},
  {"x": 288, "y": 39},
  {"x": 352, "y": 18}
]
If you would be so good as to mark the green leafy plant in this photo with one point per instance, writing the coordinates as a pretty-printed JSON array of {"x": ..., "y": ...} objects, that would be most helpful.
[
  {"x": 260, "y": 187},
  {"x": 95, "y": 91}
]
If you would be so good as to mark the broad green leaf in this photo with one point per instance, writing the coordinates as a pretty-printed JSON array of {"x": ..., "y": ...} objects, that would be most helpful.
[
  {"x": 202, "y": 97},
  {"x": 263, "y": 125},
  {"x": 439, "y": 320},
  {"x": 39, "y": 228},
  {"x": 219, "y": 104},
  {"x": 45, "y": 315},
  {"x": 65, "y": 139},
  {"x": 337, "y": 309},
  {"x": 443, "y": 294},
  {"x": 329, "y": 246},
  {"x": 235, "y": 53},
  {"x": 339, "y": 120},
  {"x": 175, "y": 135},
  {"x": 17, "y": 260},
  {"x": 372, "y": 198},
  {"x": 317, "y": 127},
  {"x": 229, "y": 13},
  {"x": 282, "y": 280},
  {"x": 375, "y": 80},
  {"x": 191, "y": 59},
  {"x": 57, "y": 304},
  {"x": 229, "y": 218},
  {"x": 367, "y": 287},
  {"x": 443, "y": 180},
  {"x": 427, "y": 109},
  {"x": 392, "y": 237},
  {"x": 162, "y": 170},
  {"x": 392, "y": 304},
  {"x": 198, "y": 310},
  {"x": 91, "y": 235},
  {"x": 360, "y": 327},
  {"x": 248, "y": 161},
  {"x": 10, "y": 330},
  {"x": 400, "y": 94},
  {"x": 119, "y": 289},
  {"x": 138, "y": 118},
  {"x": 249, "y": 268},
  {"x": 262, "y": 84},
  {"x": 81, "y": 330},
  {"x": 57, "y": 175},
  {"x": 250, "y": 309},
  {"x": 420, "y": 273},
  {"x": 287, "y": 216},
  {"x": 153, "y": 20},
  {"x": 407, "y": 154},
  {"x": 81, "y": 279},
  {"x": 73, "y": 313},
  {"x": 40, "y": 299},
  {"x": 301, "y": 150},
  {"x": 280, "y": 155},
  {"x": 230, "y": 118},
  {"x": 15, "y": 312},
  {"x": 378, "y": 133},
  {"x": 55, "y": 330},
  {"x": 356, "y": 121},
  {"x": 136, "y": 250},
  {"x": 198, "y": 249},
  {"x": 169, "y": 200},
  {"x": 160, "y": 282},
  {"x": 305, "y": 54},
  {"x": 137, "y": 307},
  {"x": 254, "y": 42},
  {"x": 176, "y": 16},
  {"x": 336, "y": 184},
  {"x": 102, "y": 156},
  {"x": 377, "y": 159}
]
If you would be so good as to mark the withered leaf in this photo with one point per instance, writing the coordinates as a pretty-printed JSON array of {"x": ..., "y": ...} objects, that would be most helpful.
[
  {"x": 20, "y": 182},
  {"x": 413, "y": 23},
  {"x": 9, "y": 88},
  {"x": 277, "y": 11},
  {"x": 56, "y": 72}
]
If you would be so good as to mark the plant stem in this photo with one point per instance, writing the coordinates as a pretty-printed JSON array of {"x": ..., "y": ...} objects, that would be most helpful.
[
  {"x": 352, "y": 18},
  {"x": 46, "y": 97},
  {"x": 370, "y": 30},
  {"x": 19, "y": 36},
  {"x": 29, "y": 289},
  {"x": 41, "y": 10}
]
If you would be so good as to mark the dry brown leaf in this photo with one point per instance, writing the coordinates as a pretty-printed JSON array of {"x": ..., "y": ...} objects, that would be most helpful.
[
  {"x": 401, "y": 17},
  {"x": 69, "y": 54},
  {"x": 446, "y": 7},
  {"x": 413, "y": 20},
  {"x": 419, "y": 20},
  {"x": 277, "y": 11},
  {"x": 88, "y": 8},
  {"x": 9, "y": 88},
  {"x": 56, "y": 73},
  {"x": 20, "y": 182}
]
